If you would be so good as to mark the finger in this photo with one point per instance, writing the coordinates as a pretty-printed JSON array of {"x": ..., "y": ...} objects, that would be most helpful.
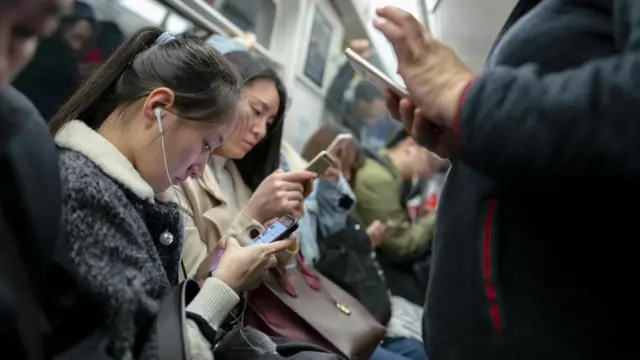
[
  {"x": 228, "y": 242},
  {"x": 292, "y": 198},
  {"x": 298, "y": 176},
  {"x": 277, "y": 246},
  {"x": 270, "y": 222},
  {"x": 271, "y": 261},
  {"x": 407, "y": 114},
  {"x": 404, "y": 20},
  {"x": 290, "y": 186},
  {"x": 393, "y": 103},
  {"x": 396, "y": 37}
]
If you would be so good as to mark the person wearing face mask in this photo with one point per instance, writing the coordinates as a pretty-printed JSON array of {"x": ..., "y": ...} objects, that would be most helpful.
[
  {"x": 54, "y": 73},
  {"x": 241, "y": 188},
  {"x": 147, "y": 119}
]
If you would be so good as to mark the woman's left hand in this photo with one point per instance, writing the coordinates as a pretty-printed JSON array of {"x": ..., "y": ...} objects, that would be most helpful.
[{"x": 433, "y": 73}]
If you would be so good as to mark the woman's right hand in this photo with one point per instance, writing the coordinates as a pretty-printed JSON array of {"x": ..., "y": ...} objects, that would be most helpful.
[
  {"x": 242, "y": 268},
  {"x": 280, "y": 193}
]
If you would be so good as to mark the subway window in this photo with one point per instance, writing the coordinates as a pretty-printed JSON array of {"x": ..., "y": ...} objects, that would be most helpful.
[
  {"x": 319, "y": 43},
  {"x": 256, "y": 16}
]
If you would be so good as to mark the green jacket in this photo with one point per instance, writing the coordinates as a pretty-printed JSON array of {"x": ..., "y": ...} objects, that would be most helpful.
[{"x": 377, "y": 190}]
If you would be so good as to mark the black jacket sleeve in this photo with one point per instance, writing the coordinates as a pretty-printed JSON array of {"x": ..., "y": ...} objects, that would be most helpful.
[{"x": 518, "y": 125}]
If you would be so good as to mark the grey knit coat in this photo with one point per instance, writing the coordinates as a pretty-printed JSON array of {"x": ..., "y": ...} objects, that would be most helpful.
[
  {"x": 113, "y": 225},
  {"x": 114, "y": 242}
]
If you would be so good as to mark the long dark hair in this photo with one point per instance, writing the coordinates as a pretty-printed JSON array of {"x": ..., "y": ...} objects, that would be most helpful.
[
  {"x": 206, "y": 86},
  {"x": 264, "y": 158}
]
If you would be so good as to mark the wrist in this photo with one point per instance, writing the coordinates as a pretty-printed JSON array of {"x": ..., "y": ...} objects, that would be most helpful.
[
  {"x": 221, "y": 275},
  {"x": 251, "y": 213}
]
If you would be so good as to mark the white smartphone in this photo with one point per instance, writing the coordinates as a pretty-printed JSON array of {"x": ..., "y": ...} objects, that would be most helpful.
[
  {"x": 373, "y": 74},
  {"x": 320, "y": 163},
  {"x": 338, "y": 141}
]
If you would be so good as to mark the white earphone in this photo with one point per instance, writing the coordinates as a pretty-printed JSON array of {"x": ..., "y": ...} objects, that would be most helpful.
[{"x": 158, "y": 112}]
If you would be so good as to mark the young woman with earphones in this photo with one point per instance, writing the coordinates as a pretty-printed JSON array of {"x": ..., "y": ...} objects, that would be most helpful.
[{"x": 148, "y": 119}]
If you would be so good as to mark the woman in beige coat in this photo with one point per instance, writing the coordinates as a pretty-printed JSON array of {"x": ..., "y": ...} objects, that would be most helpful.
[{"x": 241, "y": 188}]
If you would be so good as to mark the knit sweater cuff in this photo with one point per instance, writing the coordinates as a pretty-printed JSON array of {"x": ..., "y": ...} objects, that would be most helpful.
[{"x": 214, "y": 301}]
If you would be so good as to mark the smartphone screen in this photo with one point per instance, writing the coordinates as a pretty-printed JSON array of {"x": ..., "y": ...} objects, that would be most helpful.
[{"x": 276, "y": 230}]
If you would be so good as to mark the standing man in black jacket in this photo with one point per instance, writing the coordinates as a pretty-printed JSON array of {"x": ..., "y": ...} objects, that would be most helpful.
[
  {"x": 29, "y": 187},
  {"x": 533, "y": 252}
]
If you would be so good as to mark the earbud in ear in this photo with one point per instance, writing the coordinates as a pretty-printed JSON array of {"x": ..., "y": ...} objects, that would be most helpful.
[{"x": 158, "y": 111}]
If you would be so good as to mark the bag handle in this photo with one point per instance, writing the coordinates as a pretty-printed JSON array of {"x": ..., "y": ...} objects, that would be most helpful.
[
  {"x": 307, "y": 275},
  {"x": 311, "y": 279}
]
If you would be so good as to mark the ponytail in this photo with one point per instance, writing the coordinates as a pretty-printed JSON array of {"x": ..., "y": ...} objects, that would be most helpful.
[{"x": 94, "y": 101}]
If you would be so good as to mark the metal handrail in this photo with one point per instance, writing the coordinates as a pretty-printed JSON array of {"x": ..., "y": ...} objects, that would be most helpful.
[{"x": 210, "y": 19}]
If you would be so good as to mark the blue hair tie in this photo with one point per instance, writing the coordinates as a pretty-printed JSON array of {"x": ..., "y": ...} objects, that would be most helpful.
[{"x": 164, "y": 38}]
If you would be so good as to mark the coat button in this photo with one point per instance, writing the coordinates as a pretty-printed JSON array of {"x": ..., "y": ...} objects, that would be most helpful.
[
  {"x": 166, "y": 238},
  {"x": 357, "y": 227}
]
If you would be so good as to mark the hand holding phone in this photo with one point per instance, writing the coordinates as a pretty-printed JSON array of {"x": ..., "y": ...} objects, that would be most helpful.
[
  {"x": 280, "y": 193},
  {"x": 281, "y": 229},
  {"x": 242, "y": 267}
]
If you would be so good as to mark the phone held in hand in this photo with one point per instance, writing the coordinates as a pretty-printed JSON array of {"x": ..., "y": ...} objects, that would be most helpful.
[
  {"x": 321, "y": 163},
  {"x": 279, "y": 230},
  {"x": 373, "y": 74},
  {"x": 339, "y": 141}
]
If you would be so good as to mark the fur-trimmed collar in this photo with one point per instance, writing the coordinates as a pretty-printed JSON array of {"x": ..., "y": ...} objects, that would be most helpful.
[{"x": 77, "y": 136}]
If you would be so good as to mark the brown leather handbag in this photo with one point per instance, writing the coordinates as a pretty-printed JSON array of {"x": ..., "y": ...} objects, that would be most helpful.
[{"x": 302, "y": 305}]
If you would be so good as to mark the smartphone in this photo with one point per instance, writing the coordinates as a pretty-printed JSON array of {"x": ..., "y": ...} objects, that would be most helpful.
[
  {"x": 279, "y": 230},
  {"x": 321, "y": 163},
  {"x": 338, "y": 141},
  {"x": 373, "y": 74}
]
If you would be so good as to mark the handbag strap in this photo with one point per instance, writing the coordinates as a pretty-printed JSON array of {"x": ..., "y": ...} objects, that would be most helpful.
[
  {"x": 171, "y": 320},
  {"x": 311, "y": 279}
]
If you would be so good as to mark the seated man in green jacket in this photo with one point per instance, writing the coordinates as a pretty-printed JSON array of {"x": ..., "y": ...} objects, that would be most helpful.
[{"x": 378, "y": 191}]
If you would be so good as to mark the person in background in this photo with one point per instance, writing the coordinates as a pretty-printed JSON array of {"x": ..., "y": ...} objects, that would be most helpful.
[
  {"x": 377, "y": 188},
  {"x": 346, "y": 253},
  {"x": 357, "y": 104},
  {"x": 148, "y": 118},
  {"x": 350, "y": 159},
  {"x": 109, "y": 37},
  {"x": 54, "y": 73},
  {"x": 371, "y": 121},
  {"x": 522, "y": 269}
]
